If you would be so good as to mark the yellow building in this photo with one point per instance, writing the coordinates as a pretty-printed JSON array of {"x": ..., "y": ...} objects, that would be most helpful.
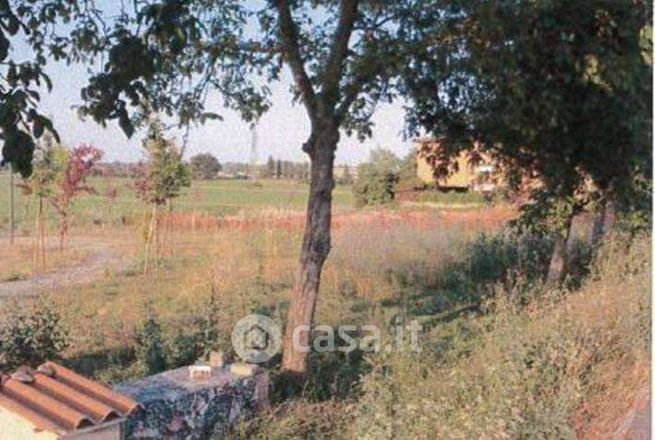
[{"x": 466, "y": 175}]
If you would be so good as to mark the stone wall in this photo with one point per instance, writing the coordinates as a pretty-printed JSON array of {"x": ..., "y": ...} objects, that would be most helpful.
[{"x": 174, "y": 406}]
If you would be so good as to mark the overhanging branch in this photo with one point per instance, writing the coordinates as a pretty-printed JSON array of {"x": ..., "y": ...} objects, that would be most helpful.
[
  {"x": 291, "y": 53},
  {"x": 338, "y": 50}
]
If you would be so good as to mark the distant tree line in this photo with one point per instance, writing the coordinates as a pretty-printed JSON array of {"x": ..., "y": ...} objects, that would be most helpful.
[
  {"x": 285, "y": 169},
  {"x": 116, "y": 169}
]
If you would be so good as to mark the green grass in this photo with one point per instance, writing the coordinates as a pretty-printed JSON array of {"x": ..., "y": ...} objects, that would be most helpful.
[
  {"x": 528, "y": 363},
  {"x": 215, "y": 198},
  {"x": 452, "y": 197}
]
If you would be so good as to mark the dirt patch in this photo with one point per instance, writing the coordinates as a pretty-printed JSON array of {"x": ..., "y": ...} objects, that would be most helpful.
[{"x": 101, "y": 257}]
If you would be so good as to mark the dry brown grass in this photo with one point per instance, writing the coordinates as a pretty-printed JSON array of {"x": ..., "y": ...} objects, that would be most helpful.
[{"x": 17, "y": 260}]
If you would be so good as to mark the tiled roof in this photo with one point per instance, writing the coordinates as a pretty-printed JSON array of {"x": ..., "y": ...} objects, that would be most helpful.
[{"x": 56, "y": 399}]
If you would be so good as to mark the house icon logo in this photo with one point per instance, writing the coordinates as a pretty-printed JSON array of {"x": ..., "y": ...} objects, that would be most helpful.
[{"x": 256, "y": 338}]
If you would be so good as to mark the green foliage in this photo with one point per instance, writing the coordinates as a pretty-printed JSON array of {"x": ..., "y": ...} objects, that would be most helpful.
[
  {"x": 514, "y": 373},
  {"x": 407, "y": 178},
  {"x": 31, "y": 336},
  {"x": 584, "y": 118},
  {"x": 434, "y": 195},
  {"x": 204, "y": 166},
  {"x": 503, "y": 257},
  {"x": 150, "y": 346},
  {"x": 49, "y": 164},
  {"x": 164, "y": 175},
  {"x": 203, "y": 336},
  {"x": 24, "y": 31},
  {"x": 377, "y": 179}
]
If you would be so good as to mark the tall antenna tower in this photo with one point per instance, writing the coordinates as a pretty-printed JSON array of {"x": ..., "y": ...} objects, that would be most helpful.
[{"x": 253, "y": 152}]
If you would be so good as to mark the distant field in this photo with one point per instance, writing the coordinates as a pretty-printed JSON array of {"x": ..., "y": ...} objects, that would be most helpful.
[{"x": 215, "y": 198}]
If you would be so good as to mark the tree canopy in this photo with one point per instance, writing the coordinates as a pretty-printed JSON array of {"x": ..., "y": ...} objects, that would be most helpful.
[
  {"x": 556, "y": 90},
  {"x": 204, "y": 166}
]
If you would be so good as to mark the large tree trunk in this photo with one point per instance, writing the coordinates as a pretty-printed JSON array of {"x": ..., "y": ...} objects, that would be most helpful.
[
  {"x": 557, "y": 269},
  {"x": 315, "y": 248}
]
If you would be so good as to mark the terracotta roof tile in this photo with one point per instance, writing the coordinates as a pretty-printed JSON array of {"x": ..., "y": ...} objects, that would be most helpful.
[{"x": 56, "y": 399}]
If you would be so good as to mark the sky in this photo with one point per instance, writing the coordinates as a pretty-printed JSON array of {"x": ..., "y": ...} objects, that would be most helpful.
[{"x": 280, "y": 132}]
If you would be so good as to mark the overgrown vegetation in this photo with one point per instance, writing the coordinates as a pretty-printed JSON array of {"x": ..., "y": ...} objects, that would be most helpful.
[
  {"x": 527, "y": 365},
  {"x": 382, "y": 176},
  {"x": 30, "y": 336}
]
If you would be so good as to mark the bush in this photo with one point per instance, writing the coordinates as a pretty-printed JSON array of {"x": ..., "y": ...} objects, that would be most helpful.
[
  {"x": 30, "y": 337},
  {"x": 377, "y": 179},
  {"x": 204, "y": 166},
  {"x": 187, "y": 348},
  {"x": 374, "y": 187},
  {"x": 158, "y": 348},
  {"x": 151, "y": 353}
]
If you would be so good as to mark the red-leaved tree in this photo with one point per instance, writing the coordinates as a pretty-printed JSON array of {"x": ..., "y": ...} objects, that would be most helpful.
[{"x": 72, "y": 182}]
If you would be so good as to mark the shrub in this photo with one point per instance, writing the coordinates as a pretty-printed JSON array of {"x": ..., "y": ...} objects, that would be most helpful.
[
  {"x": 187, "y": 348},
  {"x": 377, "y": 179},
  {"x": 32, "y": 336},
  {"x": 150, "y": 348},
  {"x": 374, "y": 187}
]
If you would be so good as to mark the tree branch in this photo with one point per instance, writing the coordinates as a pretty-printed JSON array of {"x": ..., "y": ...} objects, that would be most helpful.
[
  {"x": 291, "y": 53},
  {"x": 350, "y": 94},
  {"x": 338, "y": 51}
]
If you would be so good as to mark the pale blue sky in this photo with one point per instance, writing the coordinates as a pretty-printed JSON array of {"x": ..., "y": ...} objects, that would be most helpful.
[{"x": 281, "y": 131}]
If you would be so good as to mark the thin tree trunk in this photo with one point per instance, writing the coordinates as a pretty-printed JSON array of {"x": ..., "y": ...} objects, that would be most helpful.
[
  {"x": 44, "y": 260},
  {"x": 149, "y": 237},
  {"x": 12, "y": 217},
  {"x": 63, "y": 231},
  {"x": 39, "y": 249},
  {"x": 314, "y": 250},
  {"x": 557, "y": 269},
  {"x": 37, "y": 241}
]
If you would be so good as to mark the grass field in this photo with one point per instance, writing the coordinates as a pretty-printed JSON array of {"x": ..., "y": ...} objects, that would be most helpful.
[
  {"x": 230, "y": 248},
  {"x": 213, "y": 198}
]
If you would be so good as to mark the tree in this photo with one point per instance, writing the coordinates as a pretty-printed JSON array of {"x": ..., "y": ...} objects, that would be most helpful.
[
  {"x": 377, "y": 179},
  {"x": 159, "y": 180},
  {"x": 204, "y": 166},
  {"x": 278, "y": 169},
  {"x": 555, "y": 90},
  {"x": 48, "y": 164},
  {"x": 270, "y": 167},
  {"x": 344, "y": 57},
  {"x": 23, "y": 72},
  {"x": 71, "y": 182}
]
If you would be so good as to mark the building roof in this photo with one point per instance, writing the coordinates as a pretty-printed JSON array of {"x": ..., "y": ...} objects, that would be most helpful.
[{"x": 56, "y": 399}]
